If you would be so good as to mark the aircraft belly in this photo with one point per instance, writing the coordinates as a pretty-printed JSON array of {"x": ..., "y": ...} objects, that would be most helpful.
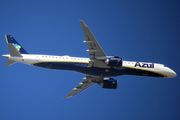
[
  {"x": 56, "y": 65},
  {"x": 79, "y": 67},
  {"x": 83, "y": 68},
  {"x": 143, "y": 72},
  {"x": 99, "y": 71}
]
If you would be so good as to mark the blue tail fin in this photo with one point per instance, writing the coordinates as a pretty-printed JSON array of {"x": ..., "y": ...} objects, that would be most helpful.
[{"x": 11, "y": 40}]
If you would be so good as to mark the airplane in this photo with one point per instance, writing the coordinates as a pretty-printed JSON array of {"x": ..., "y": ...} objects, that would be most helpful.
[{"x": 98, "y": 68}]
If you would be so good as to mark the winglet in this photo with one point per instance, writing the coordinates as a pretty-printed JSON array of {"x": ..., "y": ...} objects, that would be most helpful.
[
  {"x": 82, "y": 23},
  {"x": 67, "y": 96}
]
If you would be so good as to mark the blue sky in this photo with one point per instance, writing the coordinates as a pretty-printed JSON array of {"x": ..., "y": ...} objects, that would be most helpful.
[{"x": 134, "y": 30}]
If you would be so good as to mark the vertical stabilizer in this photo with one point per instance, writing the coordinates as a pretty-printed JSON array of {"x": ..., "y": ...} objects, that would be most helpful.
[
  {"x": 15, "y": 50},
  {"x": 11, "y": 40}
]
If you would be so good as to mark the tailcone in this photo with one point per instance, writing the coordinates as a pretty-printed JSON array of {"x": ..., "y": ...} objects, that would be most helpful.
[{"x": 6, "y": 56}]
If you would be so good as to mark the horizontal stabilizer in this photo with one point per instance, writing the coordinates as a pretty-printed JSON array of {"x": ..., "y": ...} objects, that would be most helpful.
[
  {"x": 13, "y": 51},
  {"x": 9, "y": 62}
]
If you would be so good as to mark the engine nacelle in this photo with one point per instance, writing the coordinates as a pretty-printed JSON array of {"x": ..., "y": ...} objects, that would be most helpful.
[
  {"x": 114, "y": 61},
  {"x": 109, "y": 83}
]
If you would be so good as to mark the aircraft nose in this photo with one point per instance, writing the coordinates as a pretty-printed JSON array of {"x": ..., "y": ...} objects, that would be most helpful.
[{"x": 172, "y": 74}]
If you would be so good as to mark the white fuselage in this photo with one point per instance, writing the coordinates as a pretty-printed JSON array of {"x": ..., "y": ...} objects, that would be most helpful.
[{"x": 32, "y": 59}]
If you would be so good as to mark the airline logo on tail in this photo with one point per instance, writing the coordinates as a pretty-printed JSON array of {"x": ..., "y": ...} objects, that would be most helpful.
[
  {"x": 11, "y": 40},
  {"x": 18, "y": 47}
]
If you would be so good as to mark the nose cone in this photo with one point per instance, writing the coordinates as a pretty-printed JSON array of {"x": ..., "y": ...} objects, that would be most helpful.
[
  {"x": 174, "y": 74},
  {"x": 171, "y": 74}
]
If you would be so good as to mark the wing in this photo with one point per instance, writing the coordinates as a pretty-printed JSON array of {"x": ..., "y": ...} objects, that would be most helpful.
[
  {"x": 97, "y": 54},
  {"x": 87, "y": 82}
]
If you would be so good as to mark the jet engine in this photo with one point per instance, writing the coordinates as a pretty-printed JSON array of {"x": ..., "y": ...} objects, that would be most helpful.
[
  {"x": 114, "y": 61},
  {"x": 109, "y": 83}
]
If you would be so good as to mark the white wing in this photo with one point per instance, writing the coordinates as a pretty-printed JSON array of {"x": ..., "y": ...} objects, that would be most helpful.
[
  {"x": 87, "y": 82},
  {"x": 97, "y": 54}
]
